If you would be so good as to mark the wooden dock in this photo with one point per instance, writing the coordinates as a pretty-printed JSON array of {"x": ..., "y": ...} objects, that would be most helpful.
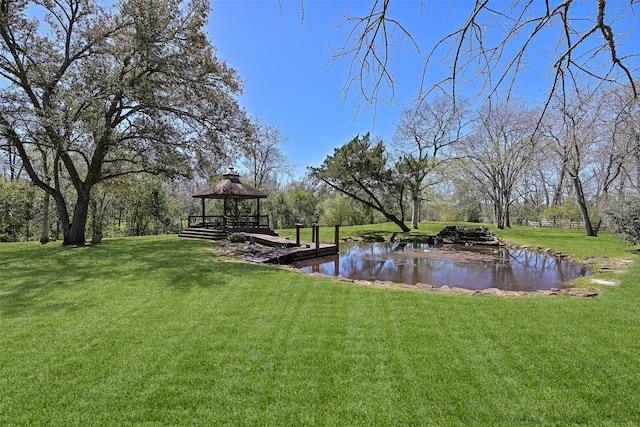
[
  {"x": 286, "y": 251},
  {"x": 268, "y": 240}
]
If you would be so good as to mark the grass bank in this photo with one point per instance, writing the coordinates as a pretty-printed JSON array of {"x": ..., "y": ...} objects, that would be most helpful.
[{"x": 162, "y": 331}]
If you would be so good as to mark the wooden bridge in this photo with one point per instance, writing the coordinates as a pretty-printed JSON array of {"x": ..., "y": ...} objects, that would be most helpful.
[{"x": 285, "y": 251}]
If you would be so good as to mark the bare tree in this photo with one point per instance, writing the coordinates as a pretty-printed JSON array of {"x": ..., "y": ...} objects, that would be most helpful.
[
  {"x": 574, "y": 126},
  {"x": 499, "y": 150},
  {"x": 624, "y": 127},
  {"x": 263, "y": 156},
  {"x": 423, "y": 137},
  {"x": 370, "y": 39},
  {"x": 495, "y": 41}
]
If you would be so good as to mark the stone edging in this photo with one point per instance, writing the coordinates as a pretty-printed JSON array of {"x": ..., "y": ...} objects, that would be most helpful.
[{"x": 575, "y": 292}]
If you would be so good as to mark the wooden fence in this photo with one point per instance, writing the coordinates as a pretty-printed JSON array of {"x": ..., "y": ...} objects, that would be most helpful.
[{"x": 556, "y": 223}]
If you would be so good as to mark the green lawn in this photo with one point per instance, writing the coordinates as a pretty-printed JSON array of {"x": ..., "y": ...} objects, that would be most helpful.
[{"x": 162, "y": 331}]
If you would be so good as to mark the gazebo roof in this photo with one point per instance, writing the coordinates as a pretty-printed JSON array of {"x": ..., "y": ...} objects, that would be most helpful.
[{"x": 230, "y": 188}]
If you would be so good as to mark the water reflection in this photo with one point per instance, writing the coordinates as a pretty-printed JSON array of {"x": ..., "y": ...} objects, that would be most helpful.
[{"x": 470, "y": 268}]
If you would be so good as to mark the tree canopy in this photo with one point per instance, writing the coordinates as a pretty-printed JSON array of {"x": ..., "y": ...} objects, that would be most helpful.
[
  {"x": 105, "y": 91},
  {"x": 359, "y": 169}
]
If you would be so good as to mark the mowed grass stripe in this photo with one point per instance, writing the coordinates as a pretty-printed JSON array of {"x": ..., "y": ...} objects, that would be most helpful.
[{"x": 157, "y": 331}]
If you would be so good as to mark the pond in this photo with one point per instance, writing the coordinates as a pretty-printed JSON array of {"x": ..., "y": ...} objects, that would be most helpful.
[{"x": 476, "y": 267}]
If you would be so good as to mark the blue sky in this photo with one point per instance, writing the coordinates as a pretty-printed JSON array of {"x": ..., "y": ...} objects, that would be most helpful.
[{"x": 292, "y": 83}]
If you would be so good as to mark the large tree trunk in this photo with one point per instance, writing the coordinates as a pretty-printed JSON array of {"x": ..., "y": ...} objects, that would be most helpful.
[
  {"x": 557, "y": 194},
  {"x": 498, "y": 208},
  {"x": 398, "y": 222},
  {"x": 501, "y": 213},
  {"x": 46, "y": 201},
  {"x": 75, "y": 235},
  {"x": 506, "y": 221},
  {"x": 44, "y": 236},
  {"x": 637, "y": 156},
  {"x": 415, "y": 214},
  {"x": 582, "y": 202},
  {"x": 498, "y": 215}
]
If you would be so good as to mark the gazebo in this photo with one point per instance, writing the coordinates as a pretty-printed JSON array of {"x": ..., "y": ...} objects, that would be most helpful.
[{"x": 231, "y": 189}]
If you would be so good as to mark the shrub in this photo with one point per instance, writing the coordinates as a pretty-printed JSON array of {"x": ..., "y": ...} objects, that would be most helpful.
[
  {"x": 237, "y": 238},
  {"x": 569, "y": 210},
  {"x": 623, "y": 217}
]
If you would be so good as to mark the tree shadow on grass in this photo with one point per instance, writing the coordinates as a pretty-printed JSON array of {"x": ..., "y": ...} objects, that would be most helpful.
[
  {"x": 39, "y": 281},
  {"x": 33, "y": 296},
  {"x": 179, "y": 264}
]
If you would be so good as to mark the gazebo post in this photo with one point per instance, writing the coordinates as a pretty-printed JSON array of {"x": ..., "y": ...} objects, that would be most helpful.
[
  {"x": 258, "y": 211},
  {"x": 203, "y": 224},
  {"x": 224, "y": 215},
  {"x": 236, "y": 214}
]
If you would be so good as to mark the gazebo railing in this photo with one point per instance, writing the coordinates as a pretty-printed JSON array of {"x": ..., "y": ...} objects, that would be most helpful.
[
  {"x": 208, "y": 221},
  {"x": 224, "y": 222}
]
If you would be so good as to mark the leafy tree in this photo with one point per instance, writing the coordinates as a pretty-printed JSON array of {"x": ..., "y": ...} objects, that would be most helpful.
[
  {"x": 569, "y": 210},
  {"x": 19, "y": 211},
  {"x": 111, "y": 91},
  {"x": 343, "y": 210},
  {"x": 295, "y": 204},
  {"x": 360, "y": 170},
  {"x": 623, "y": 217},
  {"x": 149, "y": 207},
  {"x": 143, "y": 205},
  {"x": 467, "y": 197}
]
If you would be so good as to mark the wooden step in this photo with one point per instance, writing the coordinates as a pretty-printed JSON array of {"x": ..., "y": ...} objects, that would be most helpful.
[{"x": 203, "y": 233}]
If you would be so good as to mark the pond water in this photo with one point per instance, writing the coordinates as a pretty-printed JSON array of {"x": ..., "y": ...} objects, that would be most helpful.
[{"x": 473, "y": 267}]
